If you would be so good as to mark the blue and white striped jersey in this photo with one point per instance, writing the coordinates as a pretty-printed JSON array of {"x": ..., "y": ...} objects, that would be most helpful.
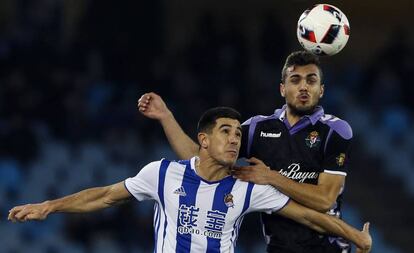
[{"x": 194, "y": 215}]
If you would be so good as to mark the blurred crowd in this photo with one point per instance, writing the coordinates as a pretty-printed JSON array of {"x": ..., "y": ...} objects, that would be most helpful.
[{"x": 70, "y": 75}]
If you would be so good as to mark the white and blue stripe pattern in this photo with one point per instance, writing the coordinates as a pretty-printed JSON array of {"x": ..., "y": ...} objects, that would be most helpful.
[
  {"x": 190, "y": 185},
  {"x": 161, "y": 181},
  {"x": 201, "y": 216}
]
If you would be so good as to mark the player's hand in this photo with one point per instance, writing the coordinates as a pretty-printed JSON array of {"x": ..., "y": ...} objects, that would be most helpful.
[
  {"x": 366, "y": 240},
  {"x": 29, "y": 212},
  {"x": 257, "y": 172},
  {"x": 152, "y": 106}
]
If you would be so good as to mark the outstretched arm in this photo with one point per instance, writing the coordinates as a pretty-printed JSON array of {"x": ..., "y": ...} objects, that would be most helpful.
[
  {"x": 152, "y": 106},
  {"x": 325, "y": 223},
  {"x": 88, "y": 200}
]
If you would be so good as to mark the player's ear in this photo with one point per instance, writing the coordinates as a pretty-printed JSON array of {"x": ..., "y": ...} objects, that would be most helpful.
[
  {"x": 202, "y": 140},
  {"x": 322, "y": 91},
  {"x": 282, "y": 89}
]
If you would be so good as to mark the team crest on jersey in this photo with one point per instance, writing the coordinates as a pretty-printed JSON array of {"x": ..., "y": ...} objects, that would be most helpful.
[
  {"x": 313, "y": 140},
  {"x": 340, "y": 160},
  {"x": 228, "y": 200}
]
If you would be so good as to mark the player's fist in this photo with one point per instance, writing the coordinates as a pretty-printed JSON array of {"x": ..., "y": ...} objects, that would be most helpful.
[
  {"x": 29, "y": 212},
  {"x": 366, "y": 240},
  {"x": 152, "y": 106}
]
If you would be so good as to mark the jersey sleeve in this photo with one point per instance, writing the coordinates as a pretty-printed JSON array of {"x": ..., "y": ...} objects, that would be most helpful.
[
  {"x": 337, "y": 151},
  {"x": 145, "y": 184},
  {"x": 266, "y": 198}
]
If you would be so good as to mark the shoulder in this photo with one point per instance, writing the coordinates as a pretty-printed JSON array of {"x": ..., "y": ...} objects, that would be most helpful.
[
  {"x": 340, "y": 126},
  {"x": 161, "y": 167},
  {"x": 157, "y": 164},
  {"x": 258, "y": 118},
  {"x": 161, "y": 164},
  {"x": 262, "y": 190}
]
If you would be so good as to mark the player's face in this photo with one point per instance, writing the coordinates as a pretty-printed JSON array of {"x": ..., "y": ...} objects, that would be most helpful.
[
  {"x": 224, "y": 141},
  {"x": 302, "y": 88}
]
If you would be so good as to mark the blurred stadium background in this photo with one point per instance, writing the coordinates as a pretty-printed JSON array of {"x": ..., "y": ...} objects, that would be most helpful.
[{"x": 71, "y": 72}]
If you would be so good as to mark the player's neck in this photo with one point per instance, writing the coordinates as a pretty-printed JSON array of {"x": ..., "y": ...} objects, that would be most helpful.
[
  {"x": 208, "y": 169},
  {"x": 292, "y": 118}
]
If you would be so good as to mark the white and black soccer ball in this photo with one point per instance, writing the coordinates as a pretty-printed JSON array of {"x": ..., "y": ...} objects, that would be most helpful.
[{"x": 323, "y": 30}]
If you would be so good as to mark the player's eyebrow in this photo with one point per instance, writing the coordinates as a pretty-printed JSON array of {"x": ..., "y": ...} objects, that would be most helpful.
[
  {"x": 312, "y": 74},
  {"x": 308, "y": 75},
  {"x": 294, "y": 75},
  {"x": 228, "y": 125}
]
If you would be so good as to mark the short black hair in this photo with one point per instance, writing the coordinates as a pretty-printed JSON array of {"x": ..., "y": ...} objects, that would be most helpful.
[
  {"x": 208, "y": 120},
  {"x": 301, "y": 58}
]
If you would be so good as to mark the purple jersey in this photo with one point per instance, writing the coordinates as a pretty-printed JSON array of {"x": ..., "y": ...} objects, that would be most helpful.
[{"x": 317, "y": 143}]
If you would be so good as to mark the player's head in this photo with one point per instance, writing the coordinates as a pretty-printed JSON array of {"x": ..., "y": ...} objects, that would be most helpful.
[
  {"x": 219, "y": 135},
  {"x": 301, "y": 83}
]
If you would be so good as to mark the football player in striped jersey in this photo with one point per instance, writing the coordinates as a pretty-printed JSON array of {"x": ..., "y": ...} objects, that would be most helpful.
[{"x": 199, "y": 206}]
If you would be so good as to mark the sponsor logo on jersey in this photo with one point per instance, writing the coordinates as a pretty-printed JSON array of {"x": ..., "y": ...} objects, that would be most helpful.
[
  {"x": 313, "y": 140},
  {"x": 270, "y": 135},
  {"x": 228, "y": 200},
  {"x": 189, "y": 223},
  {"x": 180, "y": 191},
  {"x": 293, "y": 172},
  {"x": 340, "y": 160}
]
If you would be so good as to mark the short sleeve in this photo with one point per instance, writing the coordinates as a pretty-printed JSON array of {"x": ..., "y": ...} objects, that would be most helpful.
[
  {"x": 336, "y": 160},
  {"x": 266, "y": 198},
  {"x": 145, "y": 184}
]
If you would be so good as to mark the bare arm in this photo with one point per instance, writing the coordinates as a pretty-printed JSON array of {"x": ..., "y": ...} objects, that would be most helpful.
[
  {"x": 181, "y": 143},
  {"x": 152, "y": 106},
  {"x": 88, "y": 200},
  {"x": 319, "y": 197},
  {"x": 326, "y": 223}
]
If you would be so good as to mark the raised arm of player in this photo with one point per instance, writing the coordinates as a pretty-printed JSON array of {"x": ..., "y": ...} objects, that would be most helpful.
[
  {"x": 88, "y": 200},
  {"x": 319, "y": 197},
  {"x": 326, "y": 223},
  {"x": 152, "y": 106}
]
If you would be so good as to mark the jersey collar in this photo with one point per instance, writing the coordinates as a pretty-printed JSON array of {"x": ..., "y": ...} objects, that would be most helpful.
[
  {"x": 193, "y": 162},
  {"x": 314, "y": 117},
  {"x": 303, "y": 122}
]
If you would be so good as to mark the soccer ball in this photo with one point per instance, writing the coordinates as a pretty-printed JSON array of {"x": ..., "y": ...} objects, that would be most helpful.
[{"x": 323, "y": 29}]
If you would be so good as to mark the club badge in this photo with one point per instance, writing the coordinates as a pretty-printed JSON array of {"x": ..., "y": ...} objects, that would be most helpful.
[
  {"x": 228, "y": 200},
  {"x": 340, "y": 160},
  {"x": 313, "y": 140}
]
